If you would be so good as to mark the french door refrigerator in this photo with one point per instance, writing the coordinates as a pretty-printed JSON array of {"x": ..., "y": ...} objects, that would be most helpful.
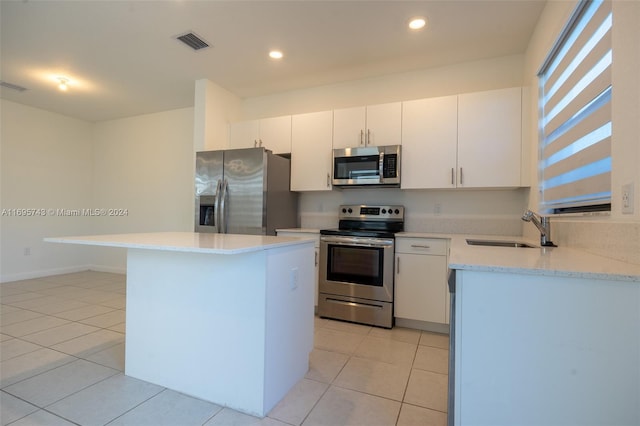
[{"x": 243, "y": 191}]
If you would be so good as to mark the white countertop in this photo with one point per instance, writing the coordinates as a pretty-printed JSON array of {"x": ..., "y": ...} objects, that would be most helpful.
[
  {"x": 550, "y": 261},
  {"x": 190, "y": 242}
]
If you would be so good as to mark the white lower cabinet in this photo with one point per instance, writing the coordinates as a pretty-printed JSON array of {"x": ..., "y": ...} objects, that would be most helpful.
[
  {"x": 310, "y": 234},
  {"x": 421, "y": 292}
]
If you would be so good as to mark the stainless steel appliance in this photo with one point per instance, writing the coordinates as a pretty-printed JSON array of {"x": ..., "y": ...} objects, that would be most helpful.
[
  {"x": 356, "y": 265},
  {"x": 367, "y": 166},
  {"x": 243, "y": 191},
  {"x": 451, "y": 391}
]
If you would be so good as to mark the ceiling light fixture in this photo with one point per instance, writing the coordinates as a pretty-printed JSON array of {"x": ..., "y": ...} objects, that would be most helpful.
[
  {"x": 417, "y": 23},
  {"x": 63, "y": 83},
  {"x": 275, "y": 54}
]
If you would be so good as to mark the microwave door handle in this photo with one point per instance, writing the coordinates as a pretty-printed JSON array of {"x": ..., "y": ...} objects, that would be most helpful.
[{"x": 381, "y": 168}]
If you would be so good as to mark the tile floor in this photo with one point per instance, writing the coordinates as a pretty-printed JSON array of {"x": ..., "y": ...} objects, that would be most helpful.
[{"x": 62, "y": 363}]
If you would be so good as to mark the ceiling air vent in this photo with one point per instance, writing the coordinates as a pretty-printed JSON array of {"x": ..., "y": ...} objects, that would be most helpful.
[
  {"x": 193, "y": 41},
  {"x": 12, "y": 86}
]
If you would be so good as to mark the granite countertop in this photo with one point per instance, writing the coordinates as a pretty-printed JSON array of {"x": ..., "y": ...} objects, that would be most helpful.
[
  {"x": 549, "y": 261},
  {"x": 189, "y": 242}
]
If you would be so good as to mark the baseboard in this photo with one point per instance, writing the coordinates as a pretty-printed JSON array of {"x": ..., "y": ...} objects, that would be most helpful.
[
  {"x": 60, "y": 271},
  {"x": 422, "y": 325},
  {"x": 111, "y": 269},
  {"x": 43, "y": 273}
]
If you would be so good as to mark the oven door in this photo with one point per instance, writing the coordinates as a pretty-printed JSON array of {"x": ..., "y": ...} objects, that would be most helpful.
[{"x": 359, "y": 267}]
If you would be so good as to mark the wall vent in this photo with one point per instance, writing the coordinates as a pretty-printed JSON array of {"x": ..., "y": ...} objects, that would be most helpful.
[
  {"x": 193, "y": 41},
  {"x": 12, "y": 86}
]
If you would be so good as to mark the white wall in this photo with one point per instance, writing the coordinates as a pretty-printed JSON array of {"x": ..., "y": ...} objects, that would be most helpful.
[
  {"x": 626, "y": 103},
  {"x": 474, "y": 76},
  {"x": 214, "y": 109},
  {"x": 46, "y": 164},
  {"x": 616, "y": 235},
  {"x": 142, "y": 164}
]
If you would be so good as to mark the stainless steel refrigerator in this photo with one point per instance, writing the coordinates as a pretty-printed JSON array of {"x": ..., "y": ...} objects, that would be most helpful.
[{"x": 243, "y": 191}]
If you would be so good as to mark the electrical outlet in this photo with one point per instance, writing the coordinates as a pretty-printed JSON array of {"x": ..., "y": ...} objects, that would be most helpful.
[
  {"x": 27, "y": 251},
  {"x": 293, "y": 278},
  {"x": 627, "y": 198},
  {"x": 437, "y": 209}
]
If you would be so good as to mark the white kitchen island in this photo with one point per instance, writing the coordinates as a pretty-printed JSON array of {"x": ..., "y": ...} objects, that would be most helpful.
[{"x": 225, "y": 318}]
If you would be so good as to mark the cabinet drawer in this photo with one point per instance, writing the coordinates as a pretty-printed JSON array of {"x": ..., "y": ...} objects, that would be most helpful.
[{"x": 432, "y": 246}]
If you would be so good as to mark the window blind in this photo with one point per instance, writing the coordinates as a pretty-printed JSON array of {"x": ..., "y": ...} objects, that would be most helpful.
[{"x": 575, "y": 119}]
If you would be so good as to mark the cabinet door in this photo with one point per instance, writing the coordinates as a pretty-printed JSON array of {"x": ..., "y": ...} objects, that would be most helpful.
[
  {"x": 420, "y": 287},
  {"x": 489, "y": 138},
  {"x": 384, "y": 124},
  {"x": 349, "y": 127},
  {"x": 243, "y": 134},
  {"x": 311, "y": 154},
  {"x": 429, "y": 142},
  {"x": 275, "y": 134}
]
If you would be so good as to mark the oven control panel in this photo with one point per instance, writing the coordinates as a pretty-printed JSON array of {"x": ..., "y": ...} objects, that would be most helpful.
[{"x": 368, "y": 212}]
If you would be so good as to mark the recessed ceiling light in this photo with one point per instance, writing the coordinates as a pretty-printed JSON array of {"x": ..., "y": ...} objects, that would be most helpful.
[
  {"x": 63, "y": 83},
  {"x": 275, "y": 54},
  {"x": 417, "y": 23}
]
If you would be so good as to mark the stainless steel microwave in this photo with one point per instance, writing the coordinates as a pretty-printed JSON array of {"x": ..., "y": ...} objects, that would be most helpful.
[{"x": 367, "y": 166}]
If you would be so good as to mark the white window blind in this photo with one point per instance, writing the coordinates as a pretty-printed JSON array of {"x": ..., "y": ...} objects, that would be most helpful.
[{"x": 575, "y": 123}]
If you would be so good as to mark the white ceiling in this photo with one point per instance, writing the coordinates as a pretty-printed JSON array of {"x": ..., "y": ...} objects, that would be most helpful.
[{"x": 122, "y": 58}]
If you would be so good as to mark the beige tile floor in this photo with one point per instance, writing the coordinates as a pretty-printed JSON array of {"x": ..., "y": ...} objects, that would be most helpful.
[{"x": 62, "y": 363}]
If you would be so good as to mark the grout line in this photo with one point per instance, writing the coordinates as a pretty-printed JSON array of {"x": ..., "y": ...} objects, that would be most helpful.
[{"x": 364, "y": 333}]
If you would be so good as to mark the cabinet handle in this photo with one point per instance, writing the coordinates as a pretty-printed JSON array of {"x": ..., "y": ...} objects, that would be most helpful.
[
  {"x": 328, "y": 180},
  {"x": 452, "y": 177},
  {"x": 255, "y": 143},
  {"x": 316, "y": 253},
  {"x": 260, "y": 142},
  {"x": 361, "y": 137},
  {"x": 420, "y": 246},
  {"x": 398, "y": 265},
  {"x": 461, "y": 179},
  {"x": 368, "y": 136}
]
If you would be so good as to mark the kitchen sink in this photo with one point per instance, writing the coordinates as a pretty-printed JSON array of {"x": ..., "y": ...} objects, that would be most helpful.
[{"x": 499, "y": 243}]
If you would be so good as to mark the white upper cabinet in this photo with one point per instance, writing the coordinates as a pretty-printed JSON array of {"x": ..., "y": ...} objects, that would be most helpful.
[
  {"x": 429, "y": 143},
  {"x": 490, "y": 138},
  {"x": 244, "y": 134},
  {"x": 473, "y": 140},
  {"x": 271, "y": 133},
  {"x": 371, "y": 125},
  {"x": 311, "y": 154}
]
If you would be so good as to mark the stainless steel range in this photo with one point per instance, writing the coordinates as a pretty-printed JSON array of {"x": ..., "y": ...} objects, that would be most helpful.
[{"x": 356, "y": 265}]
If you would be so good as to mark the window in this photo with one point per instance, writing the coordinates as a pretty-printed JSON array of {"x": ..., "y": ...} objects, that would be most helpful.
[{"x": 575, "y": 119}]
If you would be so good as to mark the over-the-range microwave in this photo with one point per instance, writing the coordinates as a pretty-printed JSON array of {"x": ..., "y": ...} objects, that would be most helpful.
[{"x": 367, "y": 166}]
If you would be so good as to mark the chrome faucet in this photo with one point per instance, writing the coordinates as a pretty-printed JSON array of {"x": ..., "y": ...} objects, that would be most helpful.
[{"x": 543, "y": 224}]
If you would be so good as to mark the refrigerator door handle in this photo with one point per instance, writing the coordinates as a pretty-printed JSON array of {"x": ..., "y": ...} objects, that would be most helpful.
[
  {"x": 224, "y": 196},
  {"x": 217, "y": 206}
]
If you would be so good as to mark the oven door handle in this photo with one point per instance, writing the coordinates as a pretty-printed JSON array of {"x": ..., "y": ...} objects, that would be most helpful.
[{"x": 358, "y": 242}]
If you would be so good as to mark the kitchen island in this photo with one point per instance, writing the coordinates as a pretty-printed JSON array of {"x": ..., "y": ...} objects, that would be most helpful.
[{"x": 225, "y": 318}]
